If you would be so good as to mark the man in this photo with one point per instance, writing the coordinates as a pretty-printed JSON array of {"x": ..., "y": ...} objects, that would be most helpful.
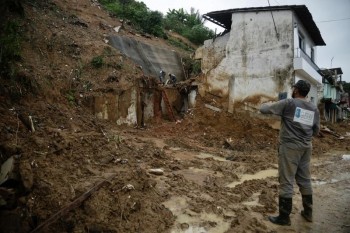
[
  {"x": 300, "y": 120},
  {"x": 172, "y": 78},
  {"x": 161, "y": 76}
]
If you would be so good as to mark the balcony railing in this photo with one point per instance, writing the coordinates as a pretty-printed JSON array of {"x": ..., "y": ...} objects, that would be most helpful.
[{"x": 300, "y": 53}]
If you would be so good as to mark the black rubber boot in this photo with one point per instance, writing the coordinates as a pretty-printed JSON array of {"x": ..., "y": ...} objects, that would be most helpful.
[
  {"x": 285, "y": 208},
  {"x": 307, "y": 204}
]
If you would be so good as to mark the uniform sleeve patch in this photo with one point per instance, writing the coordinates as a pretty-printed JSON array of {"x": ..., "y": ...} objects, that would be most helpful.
[{"x": 304, "y": 116}]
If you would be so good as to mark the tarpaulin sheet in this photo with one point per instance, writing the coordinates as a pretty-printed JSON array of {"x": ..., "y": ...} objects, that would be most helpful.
[{"x": 151, "y": 58}]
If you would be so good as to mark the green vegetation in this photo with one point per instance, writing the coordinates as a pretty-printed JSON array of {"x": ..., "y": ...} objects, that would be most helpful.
[
  {"x": 138, "y": 14},
  {"x": 192, "y": 67},
  {"x": 70, "y": 95},
  {"x": 189, "y": 25},
  {"x": 97, "y": 62},
  {"x": 178, "y": 43},
  {"x": 346, "y": 87}
]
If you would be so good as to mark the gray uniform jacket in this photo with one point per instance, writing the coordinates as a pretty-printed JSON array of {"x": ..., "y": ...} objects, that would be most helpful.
[{"x": 300, "y": 120}]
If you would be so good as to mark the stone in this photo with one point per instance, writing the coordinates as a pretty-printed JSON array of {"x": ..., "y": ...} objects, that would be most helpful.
[
  {"x": 156, "y": 171},
  {"x": 25, "y": 170},
  {"x": 7, "y": 170}
]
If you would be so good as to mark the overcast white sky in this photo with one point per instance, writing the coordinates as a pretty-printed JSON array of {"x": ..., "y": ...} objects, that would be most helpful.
[{"x": 336, "y": 32}]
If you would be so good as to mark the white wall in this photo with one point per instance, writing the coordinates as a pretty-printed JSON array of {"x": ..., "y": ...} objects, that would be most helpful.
[
  {"x": 256, "y": 64},
  {"x": 212, "y": 52},
  {"x": 304, "y": 69},
  {"x": 299, "y": 28}
]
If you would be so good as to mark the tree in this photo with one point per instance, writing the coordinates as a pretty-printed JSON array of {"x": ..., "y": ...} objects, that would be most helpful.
[
  {"x": 189, "y": 25},
  {"x": 346, "y": 87}
]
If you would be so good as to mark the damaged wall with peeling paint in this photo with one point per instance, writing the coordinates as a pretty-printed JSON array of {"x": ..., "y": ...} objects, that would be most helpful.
[
  {"x": 117, "y": 107},
  {"x": 256, "y": 65},
  {"x": 128, "y": 106}
]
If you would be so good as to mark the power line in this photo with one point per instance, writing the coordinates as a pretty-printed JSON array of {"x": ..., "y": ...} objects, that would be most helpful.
[
  {"x": 273, "y": 19},
  {"x": 332, "y": 20}
]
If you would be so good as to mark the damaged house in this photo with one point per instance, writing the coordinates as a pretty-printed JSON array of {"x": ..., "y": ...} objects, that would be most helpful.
[
  {"x": 260, "y": 55},
  {"x": 335, "y": 99}
]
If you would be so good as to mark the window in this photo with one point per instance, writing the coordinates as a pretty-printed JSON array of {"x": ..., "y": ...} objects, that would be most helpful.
[
  {"x": 313, "y": 54},
  {"x": 301, "y": 42}
]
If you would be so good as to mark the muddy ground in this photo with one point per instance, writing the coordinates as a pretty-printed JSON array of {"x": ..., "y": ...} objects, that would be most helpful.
[
  {"x": 208, "y": 184},
  {"x": 214, "y": 171}
]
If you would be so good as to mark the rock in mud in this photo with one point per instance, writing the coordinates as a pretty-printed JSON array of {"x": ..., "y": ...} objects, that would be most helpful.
[
  {"x": 156, "y": 171},
  {"x": 26, "y": 173}
]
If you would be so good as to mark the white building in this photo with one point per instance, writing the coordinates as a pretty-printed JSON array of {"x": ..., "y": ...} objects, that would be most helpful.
[{"x": 261, "y": 54}]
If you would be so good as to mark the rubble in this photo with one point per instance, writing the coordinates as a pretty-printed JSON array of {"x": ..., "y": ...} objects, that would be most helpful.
[{"x": 213, "y": 108}]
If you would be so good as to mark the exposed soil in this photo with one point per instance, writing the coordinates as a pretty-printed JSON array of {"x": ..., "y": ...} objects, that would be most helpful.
[{"x": 218, "y": 170}]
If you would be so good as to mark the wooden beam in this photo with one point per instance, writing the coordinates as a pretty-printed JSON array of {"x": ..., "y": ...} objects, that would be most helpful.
[{"x": 77, "y": 202}]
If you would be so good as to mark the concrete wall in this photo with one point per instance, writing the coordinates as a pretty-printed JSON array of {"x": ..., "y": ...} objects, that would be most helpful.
[
  {"x": 330, "y": 91},
  {"x": 120, "y": 107},
  {"x": 256, "y": 64},
  {"x": 212, "y": 52},
  {"x": 151, "y": 58},
  {"x": 125, "y": 107}
]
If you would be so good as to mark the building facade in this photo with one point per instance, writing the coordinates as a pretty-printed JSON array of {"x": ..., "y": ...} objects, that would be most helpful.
[
  {"x": 335, "y": 100},
  {"x": 261, "y": 54}
]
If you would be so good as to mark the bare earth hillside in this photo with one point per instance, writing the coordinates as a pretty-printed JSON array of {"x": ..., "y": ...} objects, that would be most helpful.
[{"x": 71, "y": 172}]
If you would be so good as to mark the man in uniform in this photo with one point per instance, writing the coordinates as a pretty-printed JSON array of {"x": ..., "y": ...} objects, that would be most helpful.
[{"x": 300, "y": 120}]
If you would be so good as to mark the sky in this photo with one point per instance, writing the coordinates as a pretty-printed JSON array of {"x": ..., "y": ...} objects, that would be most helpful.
[{"x": 332, "y": 17}]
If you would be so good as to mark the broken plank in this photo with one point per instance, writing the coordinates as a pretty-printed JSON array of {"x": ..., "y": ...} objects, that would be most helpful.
[
  {"x": 77, "y": 202},
  {"x": 213, "y": 108}
]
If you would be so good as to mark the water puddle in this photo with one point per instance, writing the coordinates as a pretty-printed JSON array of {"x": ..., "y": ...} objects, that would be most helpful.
[
  {"x": 188, "y": 221},
  {"x": 203, "y": 155},
  {"x": 319, "y": 182},
  {"x": 257, "y": 176},
  {"x": 341, "y": 177},
  {"x": 197, "y": 175},
  {"x": 190, "y": 155},
  {"x": 253, "y": 200},
  {"x": 175, "y": 148}
]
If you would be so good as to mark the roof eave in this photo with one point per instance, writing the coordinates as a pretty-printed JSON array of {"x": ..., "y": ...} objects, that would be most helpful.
[{"x": 223, "y": 18}]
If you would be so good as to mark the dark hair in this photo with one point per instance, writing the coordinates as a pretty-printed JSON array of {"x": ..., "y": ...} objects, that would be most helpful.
[{"x": 303, "y": 87}]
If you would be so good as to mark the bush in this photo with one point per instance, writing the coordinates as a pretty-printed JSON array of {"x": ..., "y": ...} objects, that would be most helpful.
[
  {"x": 97, "y": 62},
  {"x": 189, "y": 25},
  {"x": 138, "y": 14}
]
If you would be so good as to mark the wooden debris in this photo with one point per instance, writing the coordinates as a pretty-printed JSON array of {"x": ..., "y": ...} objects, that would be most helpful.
[
  {"x": 328, "y": 131},
  {"x": 213, "y": 108},
  {"x": 77, "y": 202}
]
